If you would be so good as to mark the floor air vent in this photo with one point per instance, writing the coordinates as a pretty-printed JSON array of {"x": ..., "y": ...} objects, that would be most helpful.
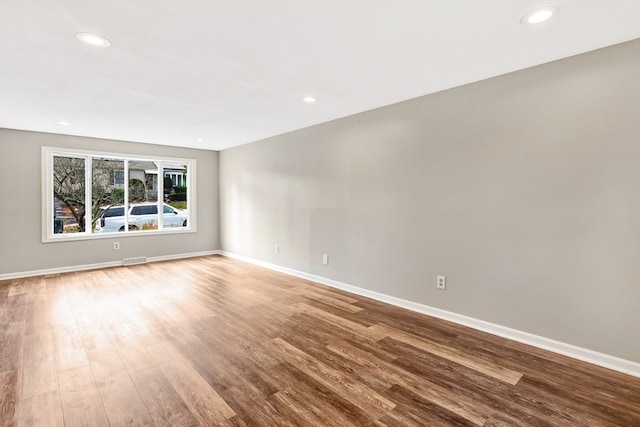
[{"x": 132, "y": 261}]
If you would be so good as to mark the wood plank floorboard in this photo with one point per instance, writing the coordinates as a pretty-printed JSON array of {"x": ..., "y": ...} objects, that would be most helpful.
[
  {"x": 43, "y": 410},
  {"x": 212, "y": 341}
]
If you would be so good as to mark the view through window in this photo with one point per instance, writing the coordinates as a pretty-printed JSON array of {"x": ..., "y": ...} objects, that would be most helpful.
[{"x": 90, "y": 194}]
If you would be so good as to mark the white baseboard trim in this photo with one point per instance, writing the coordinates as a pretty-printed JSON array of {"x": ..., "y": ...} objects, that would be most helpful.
[
  {"x": 182, "y": 256},
  {"x": 611, "y": 362},
  {"x": 72, "y": 268},
  {"x": 59, "y": 270}
]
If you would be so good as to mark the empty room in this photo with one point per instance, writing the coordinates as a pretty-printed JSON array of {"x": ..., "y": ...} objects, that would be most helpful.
[{"x": 319, "y": 213}]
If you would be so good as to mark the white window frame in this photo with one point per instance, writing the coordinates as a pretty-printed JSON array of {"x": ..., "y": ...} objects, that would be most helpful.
[{"x": 47, "y": 155}]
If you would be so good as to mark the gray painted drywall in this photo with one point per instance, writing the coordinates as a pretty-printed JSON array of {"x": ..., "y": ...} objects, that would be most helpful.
[
  {"x": 21, "y": 247},
  {"x": 524, "y": 190}
]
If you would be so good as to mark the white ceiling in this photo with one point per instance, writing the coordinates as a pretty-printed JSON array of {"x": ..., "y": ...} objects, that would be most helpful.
[{"x": 232, "y": 72}]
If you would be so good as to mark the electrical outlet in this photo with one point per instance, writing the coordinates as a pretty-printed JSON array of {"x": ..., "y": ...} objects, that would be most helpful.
[
  {"x": 325, "y": 259},
  {"x": 441, "y": 282},
  {"x": 277, "y": 249},
  {"x": 116, "y": 246}
]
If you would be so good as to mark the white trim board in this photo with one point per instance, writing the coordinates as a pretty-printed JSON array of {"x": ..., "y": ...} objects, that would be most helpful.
[
  {"x": 611, "y": 362},
  {"x": 72, "y": 268}
]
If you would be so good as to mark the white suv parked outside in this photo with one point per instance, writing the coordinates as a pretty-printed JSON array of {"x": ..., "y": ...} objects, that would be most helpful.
[{"x": 141, "y": 216}]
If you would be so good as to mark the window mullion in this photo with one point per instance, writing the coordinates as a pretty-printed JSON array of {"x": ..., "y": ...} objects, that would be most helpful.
[
  {"x": 126, "y": 195},
  {"x": 160, "y": 200},
  {"x": 88, "y": 201}
]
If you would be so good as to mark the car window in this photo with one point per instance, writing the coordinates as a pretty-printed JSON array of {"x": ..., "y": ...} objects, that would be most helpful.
[
  {"x": 167, "y": 209},
  {"x": 114, "y": 212},
  {"x": 144, "y": 210}
]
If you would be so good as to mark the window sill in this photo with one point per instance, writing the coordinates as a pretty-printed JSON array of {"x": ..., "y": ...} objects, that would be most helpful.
[{"x": 72, "y": 237}]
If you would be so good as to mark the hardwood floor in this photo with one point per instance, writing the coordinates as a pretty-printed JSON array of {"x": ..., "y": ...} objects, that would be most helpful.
[{"x": 216, "y": 342}]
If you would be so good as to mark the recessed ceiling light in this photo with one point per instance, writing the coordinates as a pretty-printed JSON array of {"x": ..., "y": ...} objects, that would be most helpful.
[
  {"x": 310, "y": 99},
  {"x": 199, "y": 140},
  {"x": 63, "y": 123},
  {"x": 93, "y": 39},
  {"x": 538, "y": 16}
]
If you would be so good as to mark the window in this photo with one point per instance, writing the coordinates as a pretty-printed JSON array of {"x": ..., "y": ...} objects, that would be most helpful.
[
  {"x": 177, "y": 173},
  {"x": 113, "y": 211},
  {"x": 145, "y": 210},
  {"x": 118, "y": 178},
  {"x": 91, "y": 195}
]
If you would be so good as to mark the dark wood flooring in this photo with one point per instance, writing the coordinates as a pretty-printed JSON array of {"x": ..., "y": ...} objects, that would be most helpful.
[{"x": 216, "y": 342}]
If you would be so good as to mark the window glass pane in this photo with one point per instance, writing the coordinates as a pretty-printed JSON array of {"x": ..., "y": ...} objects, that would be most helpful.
[
  {"x": 176, "y": 195},
  {"x": 151, "y": 181},
  {"x": 142, "y": 200},
  {"x": 68, "y": 195},
  {"x": 107, "y": 194}
]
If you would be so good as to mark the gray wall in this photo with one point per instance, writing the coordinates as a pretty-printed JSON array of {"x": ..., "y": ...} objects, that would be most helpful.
[
  {"x": 21, "y": 247},
  {"x": 524, "y": 190}
]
